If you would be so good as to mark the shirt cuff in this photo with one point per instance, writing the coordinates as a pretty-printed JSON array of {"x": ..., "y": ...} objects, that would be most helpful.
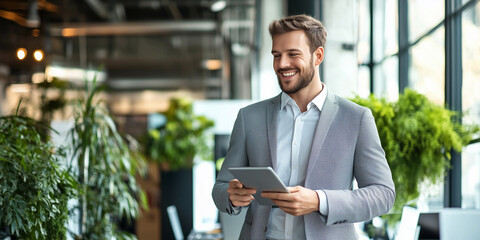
[
  {"x": 234, "y": 210},
  {"x": 323, "y": 204}
]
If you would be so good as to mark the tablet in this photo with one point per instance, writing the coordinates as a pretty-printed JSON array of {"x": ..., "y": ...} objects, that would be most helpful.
[{"x": 264, "y": 179}]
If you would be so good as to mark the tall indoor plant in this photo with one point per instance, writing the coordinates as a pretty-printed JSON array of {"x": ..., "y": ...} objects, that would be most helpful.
[
  {"x": 417, "y": 136},
  {"x": 107, "y": 168},
  {"x": 34, "y": 188}
]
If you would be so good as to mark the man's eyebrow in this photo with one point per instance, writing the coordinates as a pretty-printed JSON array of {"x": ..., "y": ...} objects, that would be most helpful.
[{"x": 288, "y": 50}]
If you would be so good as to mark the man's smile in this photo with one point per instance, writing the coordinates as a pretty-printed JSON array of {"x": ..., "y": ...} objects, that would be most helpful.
[{"x": 289, "y": 74}]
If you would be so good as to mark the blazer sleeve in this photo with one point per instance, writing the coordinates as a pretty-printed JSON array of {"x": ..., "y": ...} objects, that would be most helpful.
[
  {"x": 236, "y": 156},
  {"x": 376, "y": 192}
]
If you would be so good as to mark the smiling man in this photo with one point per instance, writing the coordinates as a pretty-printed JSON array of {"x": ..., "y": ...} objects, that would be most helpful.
[{"x": 317, "y": 143}]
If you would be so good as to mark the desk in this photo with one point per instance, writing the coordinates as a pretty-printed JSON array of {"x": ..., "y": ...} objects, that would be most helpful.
[{"x": 210, "y": 235}]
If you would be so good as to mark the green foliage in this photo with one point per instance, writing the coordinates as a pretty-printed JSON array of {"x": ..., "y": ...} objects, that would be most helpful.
[
  {"x": 107, "y": 170},
  {"x": 417, "y": 137},
  {"x": 182, "y": 137},
  {"x": 34, "y": 189}
]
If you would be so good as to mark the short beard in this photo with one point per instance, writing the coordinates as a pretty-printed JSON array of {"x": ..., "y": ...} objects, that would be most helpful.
[{"x": 304, "y": 80}]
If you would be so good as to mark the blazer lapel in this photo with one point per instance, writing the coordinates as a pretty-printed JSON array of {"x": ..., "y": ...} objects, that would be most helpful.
[
  {"x": 327, "y": 115},
  {"x": 272, "y": 115}
]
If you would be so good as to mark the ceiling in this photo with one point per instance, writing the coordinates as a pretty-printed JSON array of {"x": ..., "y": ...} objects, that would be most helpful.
[{"x": 140, "y": 44}]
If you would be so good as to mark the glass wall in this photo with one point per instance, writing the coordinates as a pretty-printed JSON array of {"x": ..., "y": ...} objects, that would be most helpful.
[
  {"x": 363, "y": 48},
  {"x": 427, "y": 69},
  {"x": 426, "y": 39},
  {"x": 471, "y": 104},
  {"x": 385, "y": 46},
  {"x": 424, "y": 14}
]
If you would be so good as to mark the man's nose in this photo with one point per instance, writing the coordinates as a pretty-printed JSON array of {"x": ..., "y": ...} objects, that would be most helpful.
[{"x": 283, "y": 62}]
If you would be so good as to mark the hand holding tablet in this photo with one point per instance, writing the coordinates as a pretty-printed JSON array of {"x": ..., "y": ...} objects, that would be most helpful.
[{"x": 264, "y": 179}]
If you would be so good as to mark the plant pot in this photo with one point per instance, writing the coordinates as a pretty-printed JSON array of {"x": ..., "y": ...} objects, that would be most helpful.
[
  {"x": 4, "y": 232},
  {"x": 176, "y": 188}
]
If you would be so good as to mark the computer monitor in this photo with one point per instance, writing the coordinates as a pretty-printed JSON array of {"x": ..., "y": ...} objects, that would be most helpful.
[
  {"x": 429, "y": 226},
  {"x": 450, "y": 224}
]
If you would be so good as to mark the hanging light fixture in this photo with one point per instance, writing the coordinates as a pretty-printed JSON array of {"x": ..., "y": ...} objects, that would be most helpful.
[
  {"x": 33, "y": 19},
  {"x": 38, "y": 55},
  {"x": 21, "y": 53}
]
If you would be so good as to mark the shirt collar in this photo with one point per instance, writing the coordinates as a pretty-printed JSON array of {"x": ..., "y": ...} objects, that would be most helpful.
[{"x": 318, "y": 101}]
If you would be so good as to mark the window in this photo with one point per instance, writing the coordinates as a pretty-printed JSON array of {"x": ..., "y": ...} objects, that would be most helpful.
[
  {"x": 471, "y": 104},
  {"x": 363, "y": 48},
  {"x": 427, "y": 69},
  {"x": 423, "y": 15},
  {"x": 385, "y": 45}
]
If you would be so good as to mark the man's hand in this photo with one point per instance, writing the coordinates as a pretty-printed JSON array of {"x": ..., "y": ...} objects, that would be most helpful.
[
  {"x": 240, "y": 196},
  {"x": 299, "y": 201}
]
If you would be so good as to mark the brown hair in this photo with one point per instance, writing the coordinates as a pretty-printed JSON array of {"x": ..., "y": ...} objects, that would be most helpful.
[{"x": 316, "y": 33}]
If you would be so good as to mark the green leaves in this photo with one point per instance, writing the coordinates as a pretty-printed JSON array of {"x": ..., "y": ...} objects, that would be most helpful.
[
  {"x": 417, "y": 137},
  {"x": 182, "y": 137},
  {"x": 107, "y": 170},
  {"x": 33, "y": 187}
]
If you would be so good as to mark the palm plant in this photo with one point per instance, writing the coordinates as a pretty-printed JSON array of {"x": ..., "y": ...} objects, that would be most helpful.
[{"x": 107, "y": 170}]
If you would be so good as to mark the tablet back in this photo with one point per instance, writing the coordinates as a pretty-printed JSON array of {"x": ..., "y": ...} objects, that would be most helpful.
[{"x": 261, "y": 178}]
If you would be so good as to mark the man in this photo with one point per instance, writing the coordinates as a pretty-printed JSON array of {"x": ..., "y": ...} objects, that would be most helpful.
[{"x": 317, "y": 143}]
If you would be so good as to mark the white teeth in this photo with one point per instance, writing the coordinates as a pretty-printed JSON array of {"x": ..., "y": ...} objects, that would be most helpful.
[{"x": 288, "y": 74}]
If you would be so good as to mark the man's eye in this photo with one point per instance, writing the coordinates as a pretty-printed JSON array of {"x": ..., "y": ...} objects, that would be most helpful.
[
  {"x": 276, "y": 56},
  {"x": 293, "y": 54}
]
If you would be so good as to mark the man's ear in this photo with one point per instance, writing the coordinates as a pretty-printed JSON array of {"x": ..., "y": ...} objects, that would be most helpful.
[{"x": 318, "y": 53}]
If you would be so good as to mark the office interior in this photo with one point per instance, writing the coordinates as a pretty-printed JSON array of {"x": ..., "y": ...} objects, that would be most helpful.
[{"x": 216, "y": 55}]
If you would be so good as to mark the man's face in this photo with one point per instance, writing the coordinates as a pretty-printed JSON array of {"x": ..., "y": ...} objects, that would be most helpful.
[{"x": 292, "y": 61}]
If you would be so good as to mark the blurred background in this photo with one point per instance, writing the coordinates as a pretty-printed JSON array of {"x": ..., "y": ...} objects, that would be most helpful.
[{"x": 217, "y": 55}]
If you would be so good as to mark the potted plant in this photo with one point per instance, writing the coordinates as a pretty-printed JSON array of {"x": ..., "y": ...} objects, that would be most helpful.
[
  {"x": 34, "y": 188},
  {"x": 107, "y": 168},
  {"x": 417, "y": 137},
  {"x": 173, "y": 146}
]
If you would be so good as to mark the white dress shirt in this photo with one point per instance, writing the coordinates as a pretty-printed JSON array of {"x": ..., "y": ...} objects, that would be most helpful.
[{"x": 295, "y": 132}]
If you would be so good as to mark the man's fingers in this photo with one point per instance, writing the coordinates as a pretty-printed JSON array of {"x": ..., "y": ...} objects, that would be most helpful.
[
  {"x": 240, "y": 196},
  {"x": 294, "y": 189},
  {"x": 283, "y": 204},
  {"x": 236, "y": 187},
  {"x": 278, "y": 196},
  {"x": 299, "y": 201},
  {"x": 241, "y": 191},
  {"x": 241, "y": 200},
  {"x": 235, "y": 184}
]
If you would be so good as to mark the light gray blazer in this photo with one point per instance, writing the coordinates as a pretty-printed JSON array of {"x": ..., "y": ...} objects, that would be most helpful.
[{"x": 346, "y": 146}]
